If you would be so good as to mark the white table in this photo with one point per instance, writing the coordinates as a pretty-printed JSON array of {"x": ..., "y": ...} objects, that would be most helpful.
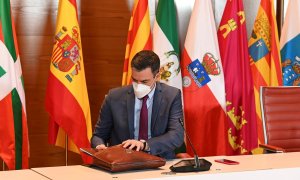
[
  {"x": 25, "y": 174},
  {"x": 251, "y": 166}
]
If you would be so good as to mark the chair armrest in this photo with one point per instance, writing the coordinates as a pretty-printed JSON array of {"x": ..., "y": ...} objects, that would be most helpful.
[
  {"x": 271, "y": 148},
  {"x": 183, "y": 155}
]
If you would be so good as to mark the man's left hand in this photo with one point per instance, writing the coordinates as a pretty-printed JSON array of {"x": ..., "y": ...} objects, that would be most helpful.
[{"x": 132, "y": 143}]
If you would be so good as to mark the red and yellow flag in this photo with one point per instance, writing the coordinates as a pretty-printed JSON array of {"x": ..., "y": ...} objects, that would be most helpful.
[
  {"x": 66, "y": 97},
  {"x": 240, "y": 106},
  {"x": 14, "y": 144},
  {"x": 264, "y": 54},
  {"x": 139, "y": 36}
]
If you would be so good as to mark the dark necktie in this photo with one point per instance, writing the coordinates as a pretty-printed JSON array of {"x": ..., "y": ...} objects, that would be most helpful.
[{"x": 143, "y": 131}]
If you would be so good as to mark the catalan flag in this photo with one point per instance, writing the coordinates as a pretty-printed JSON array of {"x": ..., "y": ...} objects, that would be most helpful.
[
  {"x": 240, "y": 105},
  {"x": 14, "y": 144},
  {"x": 203, "y": 84},
  {"x": 66, "y": 97},
  {"x": 290, "y": 45},
  {"x": 139, "y": 36}
]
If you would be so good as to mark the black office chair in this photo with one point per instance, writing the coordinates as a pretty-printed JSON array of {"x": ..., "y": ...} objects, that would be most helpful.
[{"x": 281, "y": 118}]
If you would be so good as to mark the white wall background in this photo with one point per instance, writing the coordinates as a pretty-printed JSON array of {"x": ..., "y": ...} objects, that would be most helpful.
[{"x": 185, "y": 7}]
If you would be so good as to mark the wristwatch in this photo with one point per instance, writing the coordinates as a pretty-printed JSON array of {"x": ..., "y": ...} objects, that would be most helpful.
[{"x": 146, "y": 146}]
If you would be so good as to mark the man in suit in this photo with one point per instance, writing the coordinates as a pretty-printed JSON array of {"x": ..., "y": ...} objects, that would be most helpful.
[{"x": 142, "y": 116}]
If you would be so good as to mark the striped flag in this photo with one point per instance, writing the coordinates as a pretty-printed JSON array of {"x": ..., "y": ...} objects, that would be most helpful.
[
  {"x": 290, "y": 45},
  {"x": 14, "y": 145},
  {"x": 203, "y": 84},
  {"x": 66, "y": 97},
  {"x": 139, "y": 36},
  {"x": 264, "y": 55},
  {"x": 166, "y": 44},
  {"x": 240, "y": 105}
]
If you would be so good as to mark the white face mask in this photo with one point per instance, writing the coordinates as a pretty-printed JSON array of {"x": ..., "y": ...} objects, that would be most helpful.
[{"x": 140, "y": 90}]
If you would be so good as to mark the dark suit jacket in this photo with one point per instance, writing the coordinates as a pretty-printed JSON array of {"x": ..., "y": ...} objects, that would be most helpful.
[{"x": 116, "y": 120}]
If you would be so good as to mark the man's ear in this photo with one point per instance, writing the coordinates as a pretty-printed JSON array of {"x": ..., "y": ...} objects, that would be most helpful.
[{"x": 157, "y": 76}]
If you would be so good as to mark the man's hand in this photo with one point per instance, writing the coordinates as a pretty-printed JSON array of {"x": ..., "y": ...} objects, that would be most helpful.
[
  {"x": 101, "y": 147},
  {"x": 131, "y": 144}
]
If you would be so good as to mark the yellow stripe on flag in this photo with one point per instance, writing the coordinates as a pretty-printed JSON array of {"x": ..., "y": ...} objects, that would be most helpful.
[{"x": 140, "y": 40}]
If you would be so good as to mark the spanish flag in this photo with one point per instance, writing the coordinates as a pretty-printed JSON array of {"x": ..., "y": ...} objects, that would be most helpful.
[
  {"x": 139, "y": 36},
  {"x": 14, "y": 144},
  {"x": 264, "y": 56},
  {"x": 66, "y": 98}
]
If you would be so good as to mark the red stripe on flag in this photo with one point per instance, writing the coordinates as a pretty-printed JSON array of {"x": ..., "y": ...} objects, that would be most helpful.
[
  {"x": 267, "y": 6},
  {"x": 1, "y": 32},
  {"x": 138, "y": 17},
  {"x": 73, "y": 2},
  {"x": 25, "y": 143},
  {"x": 258, "y": 79},
  {"x": 56, "y": 55},
  {"x": 148, "y": 45},
  {"x": 65, "y": 111},
  {"x": 14, "y": 36},
  {"x": 7, "y": 144},
  {"x": 56, "y": 59},
  {"x": 126, "y": 64},
  {"x": 205, "y": 120},
  {"x": 275, "y": 55},
  {"x": 56, "y": 51}
]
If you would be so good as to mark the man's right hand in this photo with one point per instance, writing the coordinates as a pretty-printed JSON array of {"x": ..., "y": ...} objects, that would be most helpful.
[{"x": 101, "y": 147}]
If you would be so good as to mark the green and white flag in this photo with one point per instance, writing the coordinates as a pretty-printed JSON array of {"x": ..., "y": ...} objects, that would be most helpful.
[
  {"x": 165, "y": 43},
  {"x": 14, "y": 146}
]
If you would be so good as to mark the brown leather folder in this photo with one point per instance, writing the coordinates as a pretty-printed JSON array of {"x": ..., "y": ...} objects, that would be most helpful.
[{"x": 117, "y": 158}]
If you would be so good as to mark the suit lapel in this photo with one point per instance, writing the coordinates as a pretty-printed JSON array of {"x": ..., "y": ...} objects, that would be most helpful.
[
  {"x": 130, "y": 111},
  {"x": 156, "y": 105}
]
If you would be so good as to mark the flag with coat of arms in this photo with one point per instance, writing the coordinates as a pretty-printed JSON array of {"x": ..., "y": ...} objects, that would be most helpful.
[{"x": 66, "y": 96}]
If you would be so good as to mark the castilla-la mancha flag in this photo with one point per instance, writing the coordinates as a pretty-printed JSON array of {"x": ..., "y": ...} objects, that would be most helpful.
[
  {"x": 264, "y": 56},
  {"x": 203, "y": 84},
  {"x": 139, "y": 36},
  {"x": 66, "y": 97},
  {"x": 240, "y": 107},
  {"x": 14, "y": 144}
]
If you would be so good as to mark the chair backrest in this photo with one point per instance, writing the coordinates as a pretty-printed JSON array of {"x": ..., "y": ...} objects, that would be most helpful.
[{"x": 281, "y": 116}]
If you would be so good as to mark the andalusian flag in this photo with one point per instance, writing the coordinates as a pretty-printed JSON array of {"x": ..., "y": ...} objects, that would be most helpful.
[
  {"x": 240, "y": 104},
  {"x": 14, "y": 148},
  {"x": 264, "y": 55},
  {"x": 290, "y": 45},
  {"x": 139, "y": 36},
  {"x": 166, "y": 44},
  {"x": 66, "y": 97},
  {"x": 203, "y": 84}
]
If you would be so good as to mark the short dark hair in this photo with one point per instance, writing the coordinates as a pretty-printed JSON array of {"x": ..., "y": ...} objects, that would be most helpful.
[{"x": 145, "y": 59}]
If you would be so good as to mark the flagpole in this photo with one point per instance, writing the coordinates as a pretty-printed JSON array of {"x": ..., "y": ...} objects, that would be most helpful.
[
  {"x": 3, "y": 165},
  {"x": 279, "y": 15},
  {"x": 66, "y": 149}
]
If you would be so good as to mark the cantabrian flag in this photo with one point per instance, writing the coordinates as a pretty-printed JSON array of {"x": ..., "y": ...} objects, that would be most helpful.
[
  {"x": 264, "y": 55},
  {"x": 166, "y": 44},
  {"x": 66, "y": 98},
  {"x": 240, "y": 105},
  {"x": 14, "y": 145},
  {"x": 203, "y": 84},
  {"x": 139, "y": 36},
  {"x": 290, "y": 45}
]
